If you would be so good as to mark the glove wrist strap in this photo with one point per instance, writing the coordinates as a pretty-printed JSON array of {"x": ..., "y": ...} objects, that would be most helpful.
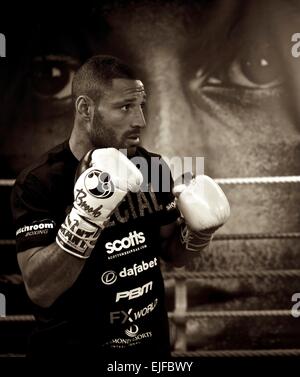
[
  {"x": 77, "y": 236},
  {"x": 195, "y": 241}
]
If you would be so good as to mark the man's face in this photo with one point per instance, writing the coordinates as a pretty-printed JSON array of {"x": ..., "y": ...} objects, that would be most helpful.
[{"x": 119, "y": 118}]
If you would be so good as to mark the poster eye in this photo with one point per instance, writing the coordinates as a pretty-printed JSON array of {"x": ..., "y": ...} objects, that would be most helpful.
[
  {"x": 256, "y": 68},
  {"x": 51, "y": 77}
]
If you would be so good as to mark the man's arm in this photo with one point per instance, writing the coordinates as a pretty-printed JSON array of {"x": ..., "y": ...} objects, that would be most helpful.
[
  {"x": 48, "y": 272},
  {"x": 204, "y": 208},
  {"x": 173, "y": 250}
]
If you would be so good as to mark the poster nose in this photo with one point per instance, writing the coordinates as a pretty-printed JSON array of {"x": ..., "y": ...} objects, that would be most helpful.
[{"x": 170, "y": 116}]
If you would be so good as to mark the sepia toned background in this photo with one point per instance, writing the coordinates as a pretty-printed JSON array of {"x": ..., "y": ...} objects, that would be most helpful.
[{"x": 221, "y": 83}]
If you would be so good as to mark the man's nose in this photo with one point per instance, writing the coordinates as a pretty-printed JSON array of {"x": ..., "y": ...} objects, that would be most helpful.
[{"x": 138, "y": 118}]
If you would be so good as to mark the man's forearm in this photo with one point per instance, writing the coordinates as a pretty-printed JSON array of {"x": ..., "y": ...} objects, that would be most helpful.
[{"x": 48, "y": 272}]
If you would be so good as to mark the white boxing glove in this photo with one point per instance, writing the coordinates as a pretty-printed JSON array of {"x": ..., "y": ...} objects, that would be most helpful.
[
  {"x": 104, "y": 178},
  {"x": 204, "y": 208}
]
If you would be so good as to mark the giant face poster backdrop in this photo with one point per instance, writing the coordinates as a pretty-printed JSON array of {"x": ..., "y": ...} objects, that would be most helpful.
[{"x": 222, "y": 82}]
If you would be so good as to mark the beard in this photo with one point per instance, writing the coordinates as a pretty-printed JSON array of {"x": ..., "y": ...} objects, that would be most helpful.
[{"x": 102, "y": 136}]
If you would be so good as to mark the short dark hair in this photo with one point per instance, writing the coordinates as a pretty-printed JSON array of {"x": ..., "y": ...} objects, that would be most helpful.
[{"x": 97, "y": 73}]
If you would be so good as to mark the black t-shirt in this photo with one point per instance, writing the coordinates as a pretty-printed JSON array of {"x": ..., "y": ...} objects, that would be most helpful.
[{"x": 116, "y": 306}]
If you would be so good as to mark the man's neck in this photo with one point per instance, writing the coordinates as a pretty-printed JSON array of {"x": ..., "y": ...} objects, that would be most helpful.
[
  {"x": 131, "y": 152},
  {"x": 79, "y": 145}
]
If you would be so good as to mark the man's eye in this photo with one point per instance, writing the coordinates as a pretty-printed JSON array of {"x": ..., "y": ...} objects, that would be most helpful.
[
  {"x": 256, "y": 69},
  {"x": 51, "y": 77},
  {"x": 125, "y": 107}
]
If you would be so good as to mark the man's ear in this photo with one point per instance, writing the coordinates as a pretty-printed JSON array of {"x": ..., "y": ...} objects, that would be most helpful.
[{"x": 84, "y": 107}]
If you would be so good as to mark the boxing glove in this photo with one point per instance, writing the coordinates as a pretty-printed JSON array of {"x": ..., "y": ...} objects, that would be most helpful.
[
  {"x": 204, "y": 207},
  {"x": 103, "y": 178}
]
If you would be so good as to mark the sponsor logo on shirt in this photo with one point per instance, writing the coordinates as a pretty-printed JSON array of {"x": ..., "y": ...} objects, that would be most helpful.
[
  {"x": 132, "y": 341},
  {"x": 135, "y": 292},
  {"x": 132, "y": 331},
  {"x": 36, "y": 228},
  {"x": 131, "y": 316},
  {"x": 110, "y": 277},
  {"x": 171, "y": 205},
  {"x": 133, "y": 239}
]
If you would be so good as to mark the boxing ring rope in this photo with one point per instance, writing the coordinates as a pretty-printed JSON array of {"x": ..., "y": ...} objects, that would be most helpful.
[
  {"x": 186, "y": 315},
  {"x": 258, "y": 180},
  {"x": 239, "y": 353},
  {"x": 231, "y": 274},
  {"x": 231, "y": 313},
  {"x": 7, "y": 182},
  {"x": 18, "y": 318},
  {"x": 7, "y": 242},
  {"x": 222, "y": 181},
  {"x": 181, "y": 314}
]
